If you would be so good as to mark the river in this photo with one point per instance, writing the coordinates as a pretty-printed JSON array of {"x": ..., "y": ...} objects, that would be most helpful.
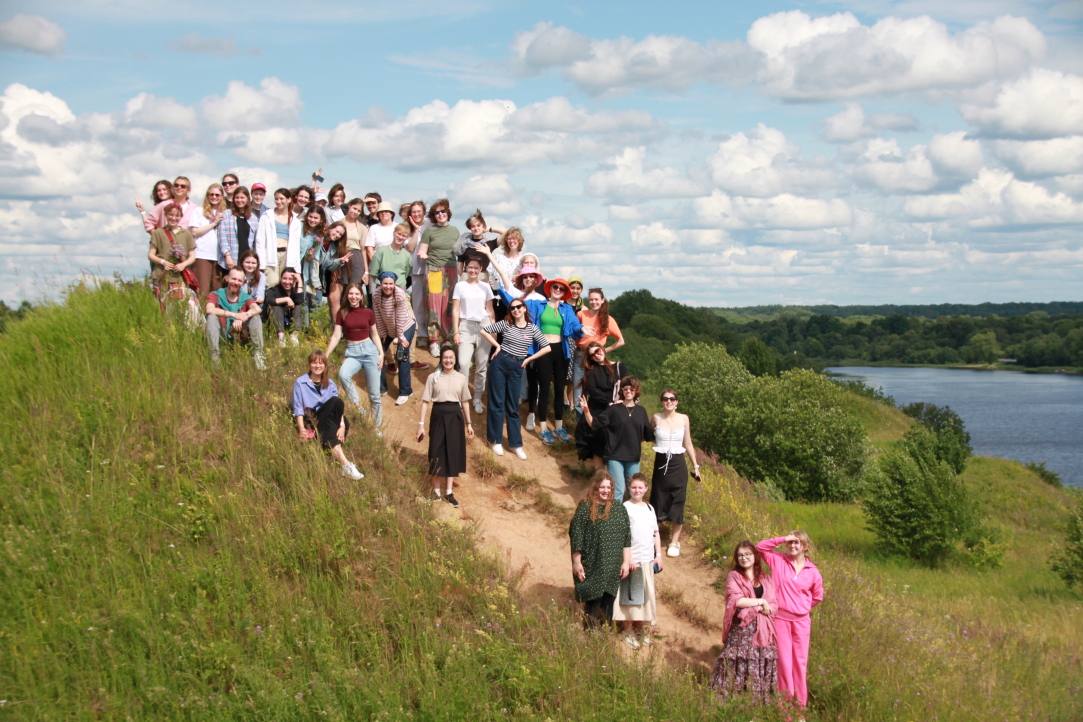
[{"x": 1013, "y": 415}]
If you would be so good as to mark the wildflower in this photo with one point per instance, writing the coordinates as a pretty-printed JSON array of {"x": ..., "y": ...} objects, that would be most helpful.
[{"x": 161, "y": 466}]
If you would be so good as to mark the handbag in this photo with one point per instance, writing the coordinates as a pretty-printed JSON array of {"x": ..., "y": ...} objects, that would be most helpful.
[
  {"x": 632, "y": 589},
  {"x": 187, "y": 274}
]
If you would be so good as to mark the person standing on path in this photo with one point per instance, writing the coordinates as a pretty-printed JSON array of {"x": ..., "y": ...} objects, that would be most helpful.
[
  {"x": 625, "y": 426},
  {"x": 646, "y": 555},
  {"x": 601, "y": 541},
  {"x": 472, "y": 308},
  {"x": 669, "y": 482},
  {"x": 449, "y": 425},
  {"x": 437, "y": 250},
  {"x": 799, "y": 587}
]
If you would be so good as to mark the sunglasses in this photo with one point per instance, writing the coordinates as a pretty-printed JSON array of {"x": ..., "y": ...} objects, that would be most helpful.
[
  {"x": 668, "y": 398},
  {"x": 516, "y": 308},
  {"x": 229, "y": 183},
  {"x": 181, "y": 186},
  {"x": 439, "y": 211}
]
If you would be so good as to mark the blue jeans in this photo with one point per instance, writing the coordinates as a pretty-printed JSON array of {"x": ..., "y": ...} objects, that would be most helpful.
[
  {"x": 405, "y": 387},
  {"x": 505, "y": 374},
  {"x": 363, "y": 355},
  {"x": 621, "y": 471}
]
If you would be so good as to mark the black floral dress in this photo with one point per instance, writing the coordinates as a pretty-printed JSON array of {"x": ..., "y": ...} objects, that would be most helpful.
[{"x": 602, "y": 545}]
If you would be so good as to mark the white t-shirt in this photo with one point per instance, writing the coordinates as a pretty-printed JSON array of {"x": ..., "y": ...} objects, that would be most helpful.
[
  {"x": 644, "y": 526},
  {"x": 472, "y": 298},
  {"x": 380, "y": 236},
  {"x": 207, "y": 244}
]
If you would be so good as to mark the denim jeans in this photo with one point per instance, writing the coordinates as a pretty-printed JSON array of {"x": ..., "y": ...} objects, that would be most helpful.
[
  {"x": 390, "y": 347},
  {"x": 363, "y": 355},
  {"x": 505, "y": 374},
  {"x": 474, "y": 347},
  {"x": 621, "y": 471}
]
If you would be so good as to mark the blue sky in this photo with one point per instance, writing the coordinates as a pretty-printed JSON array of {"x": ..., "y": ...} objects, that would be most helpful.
[{"x": 716, "y": 153}]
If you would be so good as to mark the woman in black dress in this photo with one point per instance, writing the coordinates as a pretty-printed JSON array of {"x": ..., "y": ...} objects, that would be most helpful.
[
  {"x": 601, "y": 388},
  {"x": 626, "y": 426},
  {"x": 449, "y": 425}
]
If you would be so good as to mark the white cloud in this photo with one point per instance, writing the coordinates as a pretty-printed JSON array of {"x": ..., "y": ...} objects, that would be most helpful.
[
  {"x": 657, "y": 61},
  {"x": 276, "y": 146},
  {"x": 196, "y": 44},
  {"x": 851, "y": 123},
  {"x": 656, "y": 238},
  {"x": 1038, "y": 158},
  {"x": 147, "y": 111},
  {"x": 1044, "y": 104},
  {"x": 782, "y": 211},
  {"x": 627, "y": 176},
  {"x": 560, "y": 236},
  {"x": 838, "y": 57},
  {"x": 492, "y": 193},
  {"x": 955, "y": 154},
  {"x": 997, "y": 198},
  {"x": 32, "y": 33},
  {"x": 244, "y": 108},
  {"x": 763, "y": 163},
  {"x": 558, "y": 114},
  {"x": 950, "y": 156}
]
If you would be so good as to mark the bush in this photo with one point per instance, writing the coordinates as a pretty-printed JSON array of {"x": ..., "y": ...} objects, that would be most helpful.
[
  {"x": 916, "y": 504},
  {"x": 859, "y": 387},
  {"x": 705, "y": 378},
  {"x": 1047, "y": 475},
  {"x": 952, "y": 443},
  {"x": 796, "y": 431},
  {"x": 757, "y": 358},
  {"x": 1067, "y": 562}
]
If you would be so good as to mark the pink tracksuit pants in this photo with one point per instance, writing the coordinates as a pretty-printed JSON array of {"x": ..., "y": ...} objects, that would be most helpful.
[{"x": 792, "y": 640}]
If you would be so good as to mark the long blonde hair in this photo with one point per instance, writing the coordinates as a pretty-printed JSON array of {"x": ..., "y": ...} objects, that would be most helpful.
[{"x": 220, "y": 206}]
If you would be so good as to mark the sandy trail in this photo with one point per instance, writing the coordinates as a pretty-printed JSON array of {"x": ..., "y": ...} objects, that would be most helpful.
[{"x": 534, "y": 544}]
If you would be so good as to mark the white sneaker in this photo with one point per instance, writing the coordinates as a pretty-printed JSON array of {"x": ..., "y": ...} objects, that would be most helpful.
[
  {"x": 294, "y": 339},
  {"x": 498, "y": 449},
  {"x": 629, "y": 639},
  {"x": 434, "y": 350},
  {"x": 520, "y": 453},
  {"x": 530, "y": 422},
  {"x": 350, "y": 469},
  {"x": 261, "y": 365},
  {"x": 281, "y": 340},
  {"x": 674, "y": 550},
  {"x": 401, "y": 400},
  {"x": 478, "y": 408}
]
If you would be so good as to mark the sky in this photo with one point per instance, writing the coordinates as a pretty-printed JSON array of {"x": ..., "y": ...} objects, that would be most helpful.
[{"x": 717, "y": 153}]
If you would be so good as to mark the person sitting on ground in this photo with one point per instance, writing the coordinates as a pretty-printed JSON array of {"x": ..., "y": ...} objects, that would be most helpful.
[
  {"x": 232, "y": 312},
  {"x": 318, "y": 410},
  {"x": 646, "y": 554},
  {"x": 286, "y": 305}
]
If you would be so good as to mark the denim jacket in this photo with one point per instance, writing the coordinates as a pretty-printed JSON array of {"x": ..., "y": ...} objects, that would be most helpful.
[{"x": 572, "y": 328}]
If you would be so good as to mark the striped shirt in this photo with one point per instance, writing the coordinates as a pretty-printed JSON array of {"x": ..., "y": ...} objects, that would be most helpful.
[
  {"x": 393, "y": 313},
  {"x": 516, "y": 341}
]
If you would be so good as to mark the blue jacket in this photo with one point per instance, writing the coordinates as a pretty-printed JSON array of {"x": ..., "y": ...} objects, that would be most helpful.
[{"x": 572, "y": 328}]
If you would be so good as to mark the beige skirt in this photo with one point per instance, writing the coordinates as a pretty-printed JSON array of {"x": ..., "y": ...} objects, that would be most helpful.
[{"x": 644, "y": 612}]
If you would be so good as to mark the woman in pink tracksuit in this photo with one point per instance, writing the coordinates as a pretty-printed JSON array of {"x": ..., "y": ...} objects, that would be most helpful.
[{"x": 798, "y": 588}]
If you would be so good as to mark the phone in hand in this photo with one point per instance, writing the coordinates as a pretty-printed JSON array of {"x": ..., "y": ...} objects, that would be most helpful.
[{"x": 317, "y": 177}]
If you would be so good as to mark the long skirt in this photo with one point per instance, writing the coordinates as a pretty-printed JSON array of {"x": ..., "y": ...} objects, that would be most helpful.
[
  {"x": 743, "y": 667},
  {"x": 447, "y": 439},
  {"x": 441, "y": 282},
  {"x": 669, "y": 485}
]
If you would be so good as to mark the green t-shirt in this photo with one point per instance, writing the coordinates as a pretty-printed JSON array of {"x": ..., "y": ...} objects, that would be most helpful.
[
  {"x": 387, "y": 259},
  {"x": 441, "y": 242}
]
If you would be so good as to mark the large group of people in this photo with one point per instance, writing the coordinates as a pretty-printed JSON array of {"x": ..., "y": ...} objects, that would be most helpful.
[{"x": 476, "y": 301}]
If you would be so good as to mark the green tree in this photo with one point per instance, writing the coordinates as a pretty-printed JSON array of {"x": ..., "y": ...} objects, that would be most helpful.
[
  {"x": 705, "y": 378},
  {"x": 982, "y": 348},
  {"x": 797, "y": 431},
  {"x": 757, "y": 358},
  {"x": 951, "y": 441},
  {"x": 1067, "y": 562},
  {"x": 916, "y": 504}
]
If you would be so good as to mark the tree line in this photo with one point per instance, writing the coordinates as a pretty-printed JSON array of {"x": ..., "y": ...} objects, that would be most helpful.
[{"x": 654, "y": 327}]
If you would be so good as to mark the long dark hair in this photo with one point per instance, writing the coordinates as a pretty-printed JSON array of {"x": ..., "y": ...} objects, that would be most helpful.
[
  {"x": 154, "y": 191},
  {"x": 320, "y": 229},
  {"x": 240, "y": 264},
  {"x": 247, "y": 206},
  {"x": 757, "y": 562},
  {"x": 603, "y": 312},
  {"x": 588, "y": 362}
]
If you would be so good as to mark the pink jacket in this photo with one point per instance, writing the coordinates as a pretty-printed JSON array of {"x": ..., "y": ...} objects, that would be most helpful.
[
  {"x": 739, "y": 586},
  {"x": 797, "y": 593}
]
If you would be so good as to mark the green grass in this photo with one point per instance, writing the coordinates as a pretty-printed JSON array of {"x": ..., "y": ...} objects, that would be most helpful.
[{"x": 172, "y": 551}]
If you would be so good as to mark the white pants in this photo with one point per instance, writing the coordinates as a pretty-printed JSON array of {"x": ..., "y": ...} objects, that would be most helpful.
[{"x": 474, "y": 347}]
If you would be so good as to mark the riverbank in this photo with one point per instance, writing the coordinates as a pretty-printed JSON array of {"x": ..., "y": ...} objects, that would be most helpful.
[{"x": 845, "y": 363}]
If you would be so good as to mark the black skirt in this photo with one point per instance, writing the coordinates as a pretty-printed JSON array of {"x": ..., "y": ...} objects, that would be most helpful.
[
  {"x": 669, "y": 485},
  {"x": 447, "y": 439}
]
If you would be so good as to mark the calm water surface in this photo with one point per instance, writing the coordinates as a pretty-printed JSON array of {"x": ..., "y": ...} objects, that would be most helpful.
[{"x": 1029, "y": 417}]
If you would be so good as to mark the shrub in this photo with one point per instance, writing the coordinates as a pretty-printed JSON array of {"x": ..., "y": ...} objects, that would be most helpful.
[
  {"x": 985, "y": 547},
  {"x": 705, "y": 378},
  {"x": 1047, "y": 475},
  {"x": 796, "y": 431},
  {"x": 1067, "y": 561},
  {"x": 916, "y": 504},
  {"x": 859, "y": 387},
  {"x": 952, "y": 443},
  {"x": 757, "y": 358}
]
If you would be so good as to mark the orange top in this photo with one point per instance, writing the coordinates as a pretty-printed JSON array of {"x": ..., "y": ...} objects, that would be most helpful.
[{"x": 590, "y": 330}]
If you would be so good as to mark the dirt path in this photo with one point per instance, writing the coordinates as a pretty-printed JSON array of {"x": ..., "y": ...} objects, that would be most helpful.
[{"x": 526, "y": 525}]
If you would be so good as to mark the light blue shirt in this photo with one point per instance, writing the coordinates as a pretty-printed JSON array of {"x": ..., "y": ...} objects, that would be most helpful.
[{"x": 307, "y": 395}]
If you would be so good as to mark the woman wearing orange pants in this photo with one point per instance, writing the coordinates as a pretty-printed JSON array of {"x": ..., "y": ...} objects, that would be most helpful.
[{"x": 798, "y": 588}]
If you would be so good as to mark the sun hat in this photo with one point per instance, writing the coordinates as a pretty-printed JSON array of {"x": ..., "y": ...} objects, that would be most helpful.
[
  {"x": 528, "y": 270},
  {"x": 555, "y": 281},
  {"x": 576, "y": 279},
  {"x": 385, "y": 206}
]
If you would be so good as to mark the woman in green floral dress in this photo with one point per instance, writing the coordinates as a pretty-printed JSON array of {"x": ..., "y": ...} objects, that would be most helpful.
[{"x": 601, "y": 540}]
